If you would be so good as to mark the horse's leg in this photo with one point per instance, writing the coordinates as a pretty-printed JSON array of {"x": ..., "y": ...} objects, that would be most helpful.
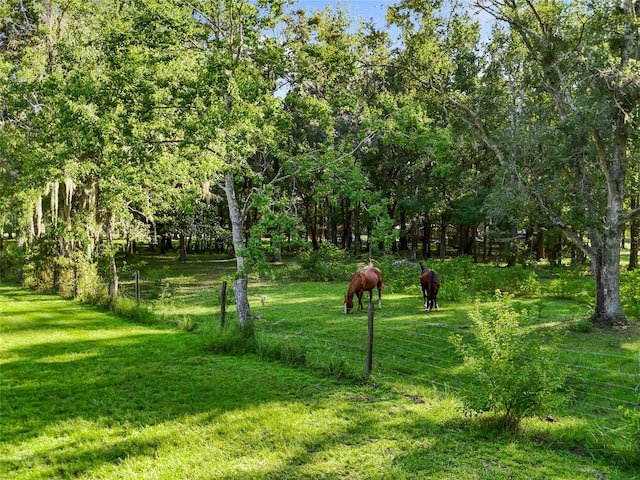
[
  {"x": 379, "y": 295},
  {"x": 360, "y": 300}
]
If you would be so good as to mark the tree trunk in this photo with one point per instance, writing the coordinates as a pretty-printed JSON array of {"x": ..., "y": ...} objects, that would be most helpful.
[
  {"x": 634, "y": 233},
  {"x": 540, "y": 244},
  {"x": 277, "y": 251},
  {"x": 334, "y": 224},
  {"x": 403, "y": 247},
  {"x": 183, "y": 248},
  {"x": 163, "y": 245},
  {"x": 113, "y": 269},
  {"x": 605, "y": 262},
  {"x": 241, "y": 280},
  {"x": 346, "y": 224},
  {"x": 608, "y": 308},
  {"x": 413, "y": 233},
  {"x": 426, "y": 240},
  {"x": 39, "y": 226},
  {"x": 605, "y": 246},
  {"x": 443, "y": 238},
  {"x": 357, "y": 246}
]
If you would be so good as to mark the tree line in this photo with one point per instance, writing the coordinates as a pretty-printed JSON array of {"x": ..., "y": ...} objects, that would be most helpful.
[{"x": 225, "y": 122}]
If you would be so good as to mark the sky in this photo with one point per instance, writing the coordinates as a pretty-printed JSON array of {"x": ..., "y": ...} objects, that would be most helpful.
[{"x": 374, "y": 9}]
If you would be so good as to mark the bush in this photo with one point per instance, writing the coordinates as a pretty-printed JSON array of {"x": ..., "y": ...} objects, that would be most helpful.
[
  {"x": 630, "y": 293},
  {"x": 459, "y": 268},
  {"x": 90, "y": 287},
  {"x": 401, "y": 274},
  {"x": 516, "y": 375},
  {"x": 516, "y": 279},
  {"x": 11, "y": 262},
  {"x": 579, "y": 289},
  {"x": 326, "y": 264},
  {"x": 38, "y": 269},
  {"x": 454, "y": 274}
]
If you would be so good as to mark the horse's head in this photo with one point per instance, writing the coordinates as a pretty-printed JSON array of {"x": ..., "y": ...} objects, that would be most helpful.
[{"x": 348, "y": 304}]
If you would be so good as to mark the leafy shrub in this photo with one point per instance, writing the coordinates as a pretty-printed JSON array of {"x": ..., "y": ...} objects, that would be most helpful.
[
  {"x": 579, "y": 289},
  {"x": 167, "y": 289},
  {"x": 461, "y": 269},
  {"x": 516, "y": 279},
  {"x": 515, "y": 373},
  {"x": 452, "y": 291},
  {"x": 11, "y": 262},
  {"x": 325, "y": 264},
  {"x": 38, "y": 269},
  {"x": 90, "y": 288},
  {"x": 401, "y": 274},
  {"x": 630, "y": 292}
]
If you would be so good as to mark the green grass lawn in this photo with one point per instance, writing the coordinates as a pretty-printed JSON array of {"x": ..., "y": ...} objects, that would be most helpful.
[{"x": 86, "y": 394}]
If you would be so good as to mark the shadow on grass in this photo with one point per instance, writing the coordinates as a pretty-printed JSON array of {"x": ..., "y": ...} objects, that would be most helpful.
[
  {"x": 64, "y": 379},
  {"x": 115, "y": 377}
]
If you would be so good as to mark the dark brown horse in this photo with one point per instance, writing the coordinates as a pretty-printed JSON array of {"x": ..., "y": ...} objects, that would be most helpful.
[
  {"x": 430, "y": 285},
  {"x": 363, "y": 281}
]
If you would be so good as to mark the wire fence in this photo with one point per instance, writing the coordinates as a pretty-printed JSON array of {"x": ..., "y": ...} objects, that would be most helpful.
[{"x": 414, "y": 352}]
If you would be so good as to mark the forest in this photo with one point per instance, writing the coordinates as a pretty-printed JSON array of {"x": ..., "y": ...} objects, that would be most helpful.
[{"x": 258, "y": 128}]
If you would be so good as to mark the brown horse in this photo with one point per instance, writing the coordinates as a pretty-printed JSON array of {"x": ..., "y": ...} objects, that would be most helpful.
[
  {"x": 430, "y": 285},
  {"x": 364, "y": 280}
]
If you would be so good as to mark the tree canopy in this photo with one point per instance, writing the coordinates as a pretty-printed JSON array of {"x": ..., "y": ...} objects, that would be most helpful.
[{"x": 226, "y": 122}]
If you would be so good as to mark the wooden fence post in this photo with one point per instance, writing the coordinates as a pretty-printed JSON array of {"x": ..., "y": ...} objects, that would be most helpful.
[
  {"x": 370, "y": 339},
  {"x": 223, "y": 303},
  {"x": 138, "y": 287}
]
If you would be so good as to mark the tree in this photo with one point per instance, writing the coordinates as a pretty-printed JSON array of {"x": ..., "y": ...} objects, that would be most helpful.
[
  {"x": 227, "y": 108},
  {"x": 81, "y": 79},
  {"x": 328, "y": 134},
  {"x": 437, "y": 59},
  {"x": 590, "y": 83}
]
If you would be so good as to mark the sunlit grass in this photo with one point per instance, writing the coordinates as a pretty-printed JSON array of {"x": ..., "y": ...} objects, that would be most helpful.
[{"x": 86, "y": 394}]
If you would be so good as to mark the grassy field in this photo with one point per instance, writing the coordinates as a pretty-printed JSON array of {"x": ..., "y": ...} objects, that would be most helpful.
[{"x": 87, "y": 394}]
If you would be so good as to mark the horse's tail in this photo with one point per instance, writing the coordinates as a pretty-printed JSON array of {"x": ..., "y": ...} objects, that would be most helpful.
[{"x": 431, "y": 278}]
